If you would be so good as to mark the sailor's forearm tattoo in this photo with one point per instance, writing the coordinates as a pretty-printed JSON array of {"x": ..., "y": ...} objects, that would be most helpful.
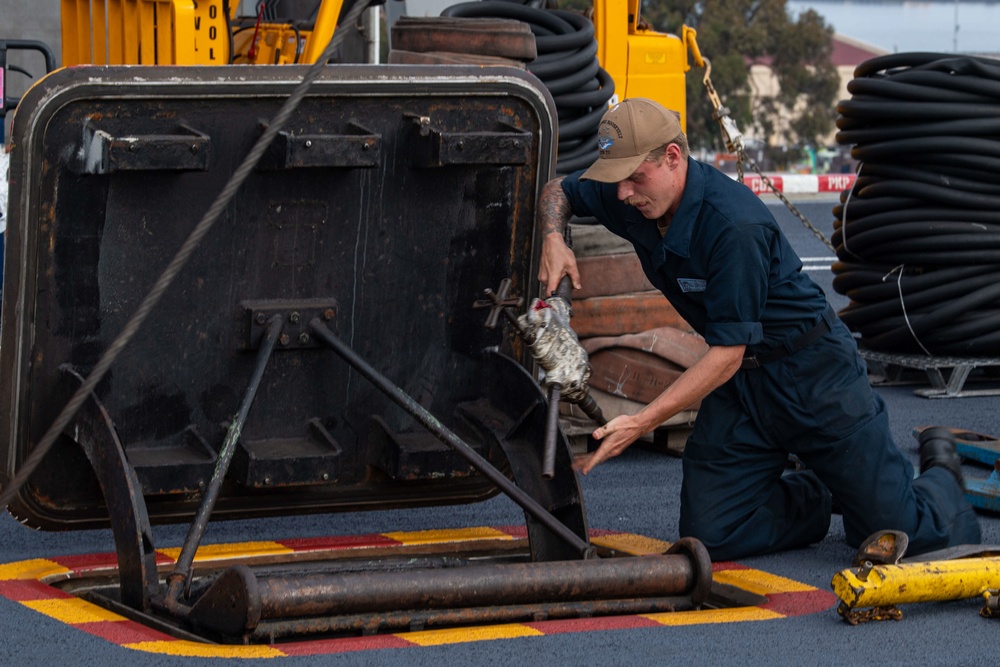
[{"x": 553, "y": 208}]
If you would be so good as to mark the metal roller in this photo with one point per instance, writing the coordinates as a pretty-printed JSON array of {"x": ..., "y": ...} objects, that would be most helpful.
[{"x": 239, "y": 600}]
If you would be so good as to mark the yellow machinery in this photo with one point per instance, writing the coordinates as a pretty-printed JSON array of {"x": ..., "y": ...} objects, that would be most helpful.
[{"x": 642, "y": 62}]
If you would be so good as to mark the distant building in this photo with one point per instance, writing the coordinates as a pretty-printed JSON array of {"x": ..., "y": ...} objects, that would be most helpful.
[{"x": 847, "y": 54}]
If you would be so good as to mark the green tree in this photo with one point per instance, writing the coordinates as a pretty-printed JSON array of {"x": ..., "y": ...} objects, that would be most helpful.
[{"x": 733, "y": 34}]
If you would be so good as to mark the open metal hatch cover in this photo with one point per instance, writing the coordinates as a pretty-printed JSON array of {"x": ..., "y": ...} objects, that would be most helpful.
[
  {"x": 386, "y": 205},
  {"x": 324, "y": 348}
]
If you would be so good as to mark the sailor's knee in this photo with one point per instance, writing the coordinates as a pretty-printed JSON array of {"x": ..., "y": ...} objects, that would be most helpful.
[{"x": 716, "y": 538}]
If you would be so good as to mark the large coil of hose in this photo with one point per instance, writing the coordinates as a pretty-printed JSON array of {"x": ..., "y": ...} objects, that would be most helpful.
[
  {"x": 918, "y": 235},
  {"x": 567, "y": 64}
]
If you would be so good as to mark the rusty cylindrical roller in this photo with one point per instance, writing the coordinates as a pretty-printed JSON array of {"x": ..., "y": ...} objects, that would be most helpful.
[{"x": 238, "y": 601}]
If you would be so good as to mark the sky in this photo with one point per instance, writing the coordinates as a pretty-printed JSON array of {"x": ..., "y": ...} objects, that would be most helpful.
[{"x": 905, "y": 26}]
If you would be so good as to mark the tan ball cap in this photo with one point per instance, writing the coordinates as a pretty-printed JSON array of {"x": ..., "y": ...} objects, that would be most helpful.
[{"x": 628, "y": 131}]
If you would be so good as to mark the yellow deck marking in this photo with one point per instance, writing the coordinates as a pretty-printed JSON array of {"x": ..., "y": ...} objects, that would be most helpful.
[
  {"x": 461, "y": 635},
  {"x": 735, "y": 615},
  {"x": 224, "y": 551},
  {"x": 72, "y": 610},
  {"x": 38, "y": 568},
  {"x": 761, "y": 583},
  {"x": 633, "y": 544},
  {"x": 452, "y": 535},
  {"x": 193, "y": 649}
]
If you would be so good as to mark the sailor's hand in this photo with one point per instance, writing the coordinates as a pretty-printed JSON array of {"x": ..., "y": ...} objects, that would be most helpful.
[
  {"x": 615, "y": 437},
  {"x": 557, "y": 261}
]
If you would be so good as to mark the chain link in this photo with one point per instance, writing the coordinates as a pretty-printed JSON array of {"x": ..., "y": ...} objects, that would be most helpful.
[
  {"x": 856, "y": 616},
  {"x": 742, "y": 155},
  {"x": 734, "y": 143}
]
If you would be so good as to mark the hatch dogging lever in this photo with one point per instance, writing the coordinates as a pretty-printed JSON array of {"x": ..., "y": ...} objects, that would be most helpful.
[{"x": 545, "y": 329}]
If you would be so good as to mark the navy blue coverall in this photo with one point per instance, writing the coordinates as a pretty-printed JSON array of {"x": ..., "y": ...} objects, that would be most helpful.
[{"x": 729, "y": 271}]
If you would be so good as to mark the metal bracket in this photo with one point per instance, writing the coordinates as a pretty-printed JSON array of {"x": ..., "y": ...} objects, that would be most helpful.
[
  {"x": 502, "y": 145},
  {"x": 888, "y": 369},
  {"x": 358, "y": 147},
  {"x": 102, "y": 153},
  {"x": 295, "y": 334}
]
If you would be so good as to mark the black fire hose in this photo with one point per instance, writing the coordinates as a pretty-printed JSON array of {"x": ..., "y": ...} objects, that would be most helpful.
[
  {"x": 918, "y": 235},
  {"x": 567, "y": 64}
]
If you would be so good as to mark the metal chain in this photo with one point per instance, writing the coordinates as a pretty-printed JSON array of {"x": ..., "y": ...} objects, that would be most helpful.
[
  {"x": 856, "y": 616},
  {"x": 734, "y": 143},
  {"x": 742, "y": 155},
  {"x": 991, "y": 608}
]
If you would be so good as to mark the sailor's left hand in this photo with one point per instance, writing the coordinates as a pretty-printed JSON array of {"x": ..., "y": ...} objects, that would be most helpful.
[{"x": 615, "y": 437}]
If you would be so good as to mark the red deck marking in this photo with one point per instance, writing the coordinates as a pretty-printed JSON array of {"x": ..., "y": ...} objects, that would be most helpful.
[
  {"x": 345, "y": 542},
  {"x": 124, "y": 632},
  {"x": 344, "y": 645},
  {"x": 85, "y": 563},
  {"x": 25, "y": 590},
  {"x": 517, "y": 532},
  {"x": 591, "y": 624},
  {"x": 799, "y": 603},
  {"x": 600, "y": 532}
]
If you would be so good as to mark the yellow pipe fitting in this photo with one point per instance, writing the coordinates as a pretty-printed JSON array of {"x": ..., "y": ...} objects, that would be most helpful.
[{"x": 932, "y": 581}]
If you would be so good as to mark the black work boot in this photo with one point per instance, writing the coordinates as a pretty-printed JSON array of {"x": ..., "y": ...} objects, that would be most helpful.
[{"x": 937, "y": 448}]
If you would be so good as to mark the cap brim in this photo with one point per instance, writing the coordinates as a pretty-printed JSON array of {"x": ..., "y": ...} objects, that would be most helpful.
[{"x": 612, "y": 170}]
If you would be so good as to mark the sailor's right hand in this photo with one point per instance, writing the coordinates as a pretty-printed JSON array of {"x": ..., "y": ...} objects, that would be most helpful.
[{"x": 557, "y": 261}]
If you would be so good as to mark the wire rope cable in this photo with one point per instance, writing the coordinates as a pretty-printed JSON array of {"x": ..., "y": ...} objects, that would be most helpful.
[{"x": 176, "y": 265}]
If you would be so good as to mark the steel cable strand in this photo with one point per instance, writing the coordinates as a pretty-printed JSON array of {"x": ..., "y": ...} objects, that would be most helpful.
[{"x": 177, "y": 264}]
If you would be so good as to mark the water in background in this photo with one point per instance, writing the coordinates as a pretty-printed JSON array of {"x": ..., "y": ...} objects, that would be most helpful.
[{"x": 913, "y": 26}]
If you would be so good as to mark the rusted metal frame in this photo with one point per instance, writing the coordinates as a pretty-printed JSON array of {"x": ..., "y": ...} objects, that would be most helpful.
[
  {"x": 179, "y": 580},
  {"x": 368, "y": 624},
  {"x": 442, "y": 432},
  {"x": 94, "y": 431}
]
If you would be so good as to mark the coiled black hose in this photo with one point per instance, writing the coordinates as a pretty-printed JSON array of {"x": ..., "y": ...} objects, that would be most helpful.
[
  {"x": 567, "y": 64},
  {"x": 918, "y": 235}
]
